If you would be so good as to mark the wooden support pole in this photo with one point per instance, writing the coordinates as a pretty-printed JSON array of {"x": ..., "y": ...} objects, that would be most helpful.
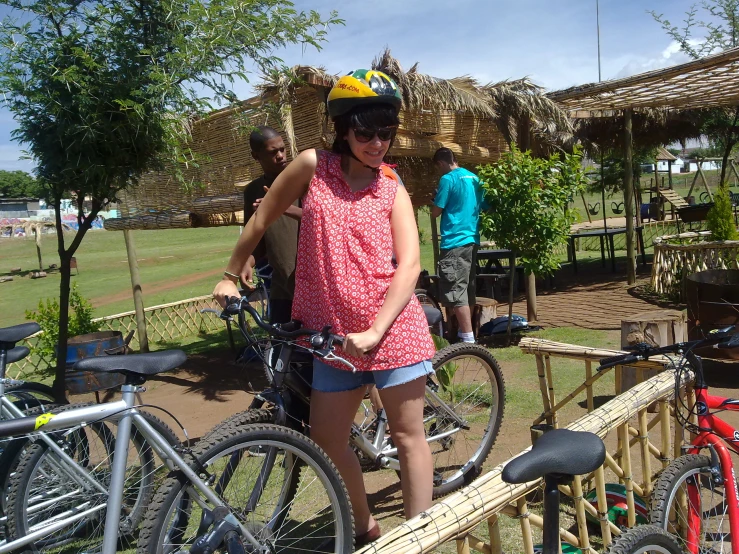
[
  {"x": 629, "y": 198},
  {"x": 552, "y": 398},
  {"x": 628, "y": 476},
  {"x": 543, "y": 387},
  {"x": 664, "y": 429},
  {"x": 463, "y": 546},
  {"x": 589, "y": 387},
  {"x": 138, "y": 299},
  {"x": 434, "y": 242},
  {"x": 582, "y": 524},
  {"x": 496, "y": 546},
  {"x": 477, "y": 544},
  {"x": 523, "y": 514},
  {"x": 646, "y": 455},
  {"x": 678, "y": 441},
  {"x": 600, "y": 491}
]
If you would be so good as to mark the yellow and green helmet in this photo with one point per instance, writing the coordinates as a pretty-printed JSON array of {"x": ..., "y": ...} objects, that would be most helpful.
[{"x": 362, "y": 87}]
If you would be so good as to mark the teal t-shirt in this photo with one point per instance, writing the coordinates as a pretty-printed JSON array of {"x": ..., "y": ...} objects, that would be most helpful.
[{"x": 460, "y": 195}]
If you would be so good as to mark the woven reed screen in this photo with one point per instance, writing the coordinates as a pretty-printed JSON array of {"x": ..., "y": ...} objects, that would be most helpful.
[{"x": 225, "y": 164}]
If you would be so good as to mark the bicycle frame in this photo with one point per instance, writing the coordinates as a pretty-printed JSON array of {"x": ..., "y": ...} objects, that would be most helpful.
[
  {"x": 125, "y": 413},
  {"x": 377, "y": 450},
  {"x": 721, "y": 438}
]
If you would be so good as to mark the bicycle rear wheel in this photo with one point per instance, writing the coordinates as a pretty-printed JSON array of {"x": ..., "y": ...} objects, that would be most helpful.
[
  {"x": 43, "y": 490},
  {"x": 316, "y": 519},
  {"x": 469, "y": 382},
  {"x": 691, "y": 504},
  {"x": 427, "y": 300}
]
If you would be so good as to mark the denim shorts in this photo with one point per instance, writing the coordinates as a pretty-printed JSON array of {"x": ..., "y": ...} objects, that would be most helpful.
[{"x": 327, "y": 378}]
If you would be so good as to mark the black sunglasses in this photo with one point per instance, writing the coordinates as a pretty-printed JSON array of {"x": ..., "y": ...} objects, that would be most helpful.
[{"x": 366, "y": 135}]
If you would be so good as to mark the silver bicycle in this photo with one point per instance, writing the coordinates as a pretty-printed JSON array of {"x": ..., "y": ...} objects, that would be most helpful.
[{"x": 220, "y": 495}]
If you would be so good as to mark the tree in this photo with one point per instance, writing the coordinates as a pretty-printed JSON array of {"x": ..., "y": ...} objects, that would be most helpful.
[
  {"x": 19, "y": 184},
  {"x": 529, "y": 209},
  {"x": 103, "y": 90},
  {"x": 720, "y": 219},
  {"x": 721, "y": 32}
]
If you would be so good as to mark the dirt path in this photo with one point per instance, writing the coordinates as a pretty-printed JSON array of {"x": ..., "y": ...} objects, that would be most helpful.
[{"x": 154, "y": 288}]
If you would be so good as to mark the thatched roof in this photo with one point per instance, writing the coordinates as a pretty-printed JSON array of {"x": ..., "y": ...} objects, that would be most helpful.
[
  {"x": 664, "y": 156},
  {"x": 478, "y": 122},
  {"x": 708, "y": 82}
]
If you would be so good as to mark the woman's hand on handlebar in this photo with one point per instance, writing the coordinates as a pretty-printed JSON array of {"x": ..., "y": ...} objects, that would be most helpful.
[
  {"x": 225, "y": 288},
  {"x": 358, "y": 344}
]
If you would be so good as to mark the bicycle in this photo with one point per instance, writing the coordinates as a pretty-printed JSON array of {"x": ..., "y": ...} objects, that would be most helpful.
[
  {"x": 695, "y": 498},
  {"x": 464, "y": 400},
  {"x": 224, "y": 496},
  {"x": 551, "y": 457},
  {"x": 430, "y": 304}
]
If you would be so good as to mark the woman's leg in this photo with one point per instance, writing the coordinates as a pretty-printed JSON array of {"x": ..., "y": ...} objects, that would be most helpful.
[
  {"x": 404, "y": 406},
  {"x": 331, "y": 417}
]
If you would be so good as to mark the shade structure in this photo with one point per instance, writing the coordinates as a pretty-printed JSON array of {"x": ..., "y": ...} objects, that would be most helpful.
[{"x": 478, "y": 122}]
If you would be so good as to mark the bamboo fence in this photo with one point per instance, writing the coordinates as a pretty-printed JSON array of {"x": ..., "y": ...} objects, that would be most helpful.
[
  {"x": 673, "y": 262},
  {"x": 164, "y": 323},
  {"x": 651, "y": 445}
]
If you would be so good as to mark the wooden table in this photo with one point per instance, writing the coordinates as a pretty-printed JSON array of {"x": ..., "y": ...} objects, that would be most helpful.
[
  {"x": 603, "y": 235},
  {"x": 489, "y": 267}
]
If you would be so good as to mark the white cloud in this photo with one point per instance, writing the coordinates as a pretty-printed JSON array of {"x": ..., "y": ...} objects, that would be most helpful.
[{"x": 671, "y": 55}]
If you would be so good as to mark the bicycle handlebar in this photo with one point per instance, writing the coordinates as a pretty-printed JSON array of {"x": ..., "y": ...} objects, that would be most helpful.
[
  {"x": 643, "y": 351},
  {"x": 319, "y": 339}
]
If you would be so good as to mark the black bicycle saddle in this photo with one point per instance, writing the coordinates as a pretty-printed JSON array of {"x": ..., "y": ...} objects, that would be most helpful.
[
  {"x": 557, "y": 452},
  {"x": 11, "y": 335},
  {"x": 134, "y": 364}
]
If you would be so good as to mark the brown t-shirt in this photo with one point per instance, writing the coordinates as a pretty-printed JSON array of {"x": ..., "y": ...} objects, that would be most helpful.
[{"x": 280, "y": 242}]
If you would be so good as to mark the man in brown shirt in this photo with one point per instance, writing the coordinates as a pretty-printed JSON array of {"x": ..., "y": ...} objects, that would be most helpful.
[{"x": 280, "y": 242}]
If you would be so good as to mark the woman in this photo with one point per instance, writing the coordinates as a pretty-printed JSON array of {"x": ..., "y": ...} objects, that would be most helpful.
[{"x": 355, "y": 216}]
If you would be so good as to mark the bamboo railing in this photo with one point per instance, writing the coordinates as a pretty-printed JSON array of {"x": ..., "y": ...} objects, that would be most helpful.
[
  {"x": 673, "y": 262},
  {"x": 624, "y": 420}
]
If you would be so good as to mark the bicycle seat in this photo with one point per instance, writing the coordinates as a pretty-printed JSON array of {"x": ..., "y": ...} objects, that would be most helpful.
[
  {"x": 17, "y": 353},
  {"x": 557, "y": 452},
  {"x": 18, "y": 332},
  {"x": 433, "y": 316},
  {"x": 151, "y": 363}
]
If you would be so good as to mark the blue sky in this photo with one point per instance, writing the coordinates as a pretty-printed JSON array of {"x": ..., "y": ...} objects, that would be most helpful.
[{"x": 551, "y": 41}]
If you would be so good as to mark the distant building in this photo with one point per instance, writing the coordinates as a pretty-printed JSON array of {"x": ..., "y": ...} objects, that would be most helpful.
[{"x": 18, "y": 207}]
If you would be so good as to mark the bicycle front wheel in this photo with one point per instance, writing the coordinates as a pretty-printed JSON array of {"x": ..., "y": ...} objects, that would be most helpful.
[
  {"x": 463, "y": 413},
  {"x": 690, "y": 503},
  {"x": 645, "y": 539},
  {"x": 250, "y": 468}
]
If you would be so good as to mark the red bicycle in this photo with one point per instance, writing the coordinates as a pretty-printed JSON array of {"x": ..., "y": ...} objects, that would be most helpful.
[{"x": 695, "y": 498}]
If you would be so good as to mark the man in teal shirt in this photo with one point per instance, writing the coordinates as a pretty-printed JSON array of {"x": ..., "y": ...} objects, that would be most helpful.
[{"x": 458, "y": 201}]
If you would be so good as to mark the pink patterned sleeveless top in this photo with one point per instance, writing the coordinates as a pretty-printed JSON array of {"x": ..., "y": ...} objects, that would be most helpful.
[{"x": 344, "y": 267}]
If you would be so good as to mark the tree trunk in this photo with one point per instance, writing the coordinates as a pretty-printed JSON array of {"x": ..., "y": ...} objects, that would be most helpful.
[
  {"x": 531, "y": 314},
  {"x": 629, "y": 198},
  {"x": 729, "y": 146},
  {"x": 511, "y": 289},
  {"x": 60, "y": 392},
  {"x": 65, "y": 259}
]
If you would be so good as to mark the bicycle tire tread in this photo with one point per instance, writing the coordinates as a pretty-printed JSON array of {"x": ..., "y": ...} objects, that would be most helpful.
[
  {"x": 640, "y": 539},
  {"x": 441, "y": 357}
]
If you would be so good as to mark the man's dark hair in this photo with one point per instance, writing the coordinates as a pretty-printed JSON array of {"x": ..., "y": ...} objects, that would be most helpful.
[
  {"x": 444, "y": 155},
  {"x": 260, "y": 136}
]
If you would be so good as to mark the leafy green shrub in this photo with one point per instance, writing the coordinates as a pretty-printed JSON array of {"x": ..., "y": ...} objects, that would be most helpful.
[
  {"x": 47, "y": 316},
  {"x": 720, "y": 220}
]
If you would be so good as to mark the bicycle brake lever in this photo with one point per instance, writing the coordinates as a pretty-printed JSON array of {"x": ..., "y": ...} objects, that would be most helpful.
[{"x": 333, "y": 357}]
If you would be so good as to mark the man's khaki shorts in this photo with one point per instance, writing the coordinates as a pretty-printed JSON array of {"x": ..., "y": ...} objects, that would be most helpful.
[{"x": 457, "y": 271}]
